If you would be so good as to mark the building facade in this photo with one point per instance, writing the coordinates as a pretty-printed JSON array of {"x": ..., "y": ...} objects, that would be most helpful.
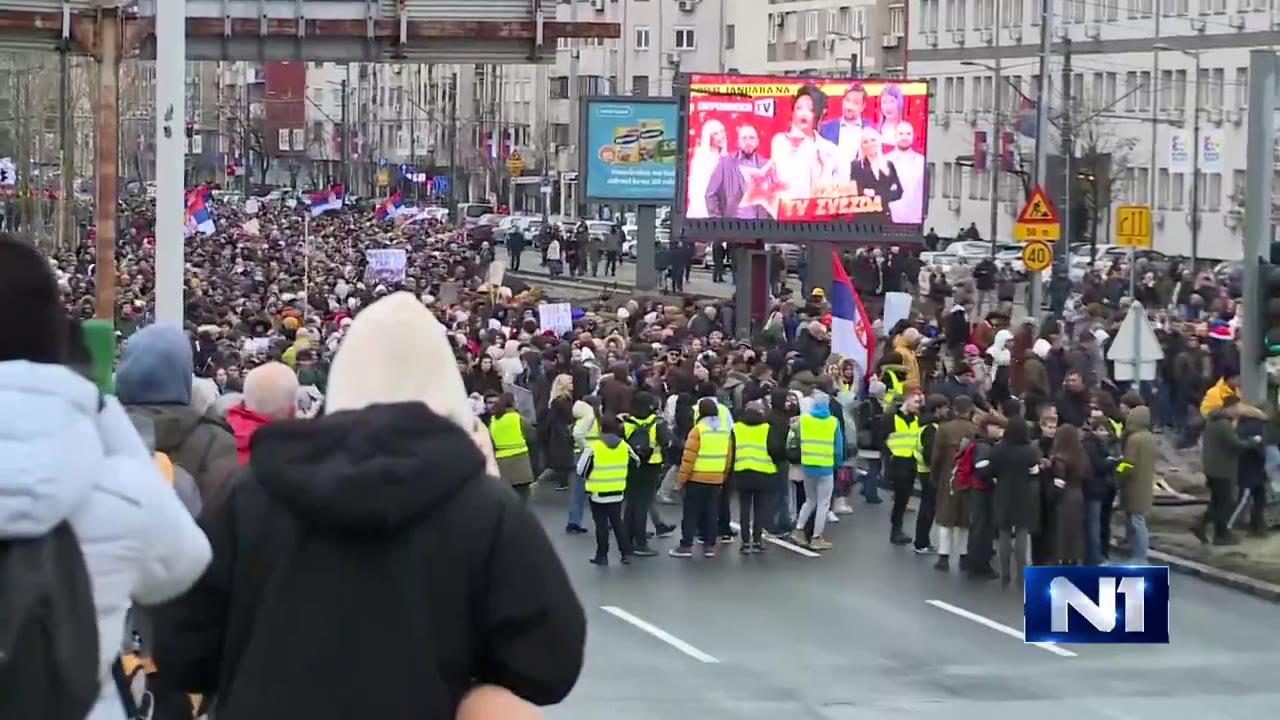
[{"x": 1142, "y": 73}]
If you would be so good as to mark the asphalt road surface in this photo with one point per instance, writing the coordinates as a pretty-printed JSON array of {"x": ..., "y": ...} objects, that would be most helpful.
[
  {"x": 869, "y": 631},
  {"x": 699, "y": 282}
]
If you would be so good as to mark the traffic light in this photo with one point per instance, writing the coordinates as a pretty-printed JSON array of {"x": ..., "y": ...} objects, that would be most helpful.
[
  {"x": 191, "y": 129},
  {"x": 1269, "y": 302}
]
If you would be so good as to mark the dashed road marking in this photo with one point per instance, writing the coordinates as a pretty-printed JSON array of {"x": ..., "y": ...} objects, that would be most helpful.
[
  {"x": 999, "y": 627},
  {"x": 659, "y": 633}
]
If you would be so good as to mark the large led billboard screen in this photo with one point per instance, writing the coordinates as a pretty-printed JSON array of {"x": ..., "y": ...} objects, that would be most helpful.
[{"x": 783, "y": 158}]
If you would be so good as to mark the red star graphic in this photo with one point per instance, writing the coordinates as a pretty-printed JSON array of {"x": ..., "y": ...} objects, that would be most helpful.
[{"x": 763, "y": 187}]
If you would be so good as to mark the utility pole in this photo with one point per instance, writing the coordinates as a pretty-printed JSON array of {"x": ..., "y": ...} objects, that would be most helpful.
[
  {"x": 574, "y": 104},
  {"x": 1258, "y": 229},
  {"x": 413, "y": 127},
  {"x": 346, "y": 133},
  {"x": 1059, "y": 299},
  {"x": 66, "y": 231},
  {"x": 998, "y": 92},
  {"x": 1153, "y": 88},
  {"x": 1195, "y": 169},
  {"x": 452, "y": 134},
  {"x": 246, "y": 164},
  {"x": 1035, "y": 286}
]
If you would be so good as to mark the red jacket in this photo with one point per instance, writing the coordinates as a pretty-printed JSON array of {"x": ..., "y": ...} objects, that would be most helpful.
[{"x": 244, "y": 423}]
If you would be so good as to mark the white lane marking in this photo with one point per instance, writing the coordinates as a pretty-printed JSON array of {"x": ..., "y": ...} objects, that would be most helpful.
[
  {"x": 999, "y": 627},
  {"x": 782, "y": 543},
  {"x": 659, "y": 633}
]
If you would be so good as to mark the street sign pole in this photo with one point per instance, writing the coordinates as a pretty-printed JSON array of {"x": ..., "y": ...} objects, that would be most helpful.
[{"x": 1133, "y": 228}]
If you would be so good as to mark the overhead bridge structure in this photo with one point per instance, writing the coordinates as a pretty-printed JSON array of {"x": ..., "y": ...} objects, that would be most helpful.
[{"x": 175, "y": 31}]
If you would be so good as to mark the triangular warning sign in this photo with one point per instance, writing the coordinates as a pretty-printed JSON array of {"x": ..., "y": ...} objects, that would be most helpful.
[{"x": 1038, "y": 210}]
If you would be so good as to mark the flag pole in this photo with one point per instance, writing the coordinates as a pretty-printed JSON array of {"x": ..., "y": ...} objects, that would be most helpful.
[{"x": 306, "y": 265}]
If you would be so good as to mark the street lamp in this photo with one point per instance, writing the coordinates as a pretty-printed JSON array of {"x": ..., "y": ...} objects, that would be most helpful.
[
  {"x": 1195, "y": 152},
  {"x": 855, "y": 59}
]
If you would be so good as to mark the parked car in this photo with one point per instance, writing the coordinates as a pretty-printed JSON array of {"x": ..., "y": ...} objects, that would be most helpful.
[{"x": 970, "y": 252}]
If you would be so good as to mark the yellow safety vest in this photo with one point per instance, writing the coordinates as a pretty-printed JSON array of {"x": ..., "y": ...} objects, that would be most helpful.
[
  {"x": 723, "y": 413},
  {"x": 818, "y": 441},
  {"x": 651, "y": 424},
  {"x": 1117, "y": 427},
  {"x": 593, "y": 432},
  {"x": 922, "y": 463},
  {"x": 508, "y": 435},
  {"x": 893, "y": 388},
  {"x": 713, "y": 448},
  {"x": 751, "y": 449},
  {"x": 905, "y": 437},
  {"x": 608, "y": 468}
]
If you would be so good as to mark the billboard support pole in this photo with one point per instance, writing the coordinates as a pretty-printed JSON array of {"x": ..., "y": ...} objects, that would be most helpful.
[
  {"x": 1035, "y": 286},
  {"x": 1257, "y": 216}
]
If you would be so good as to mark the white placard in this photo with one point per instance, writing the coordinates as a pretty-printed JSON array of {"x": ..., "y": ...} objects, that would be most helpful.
[
  {"x": 385, "y": 265},
  {"x": 556, "y": 317}
]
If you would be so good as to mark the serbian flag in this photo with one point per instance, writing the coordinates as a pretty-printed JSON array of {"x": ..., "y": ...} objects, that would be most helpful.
[
  {"x": 389, "y": 208},
  {"x": 198, "y": 217},
  {"x": 325, "y": 200},
  {"x": 851, "y": 335}
]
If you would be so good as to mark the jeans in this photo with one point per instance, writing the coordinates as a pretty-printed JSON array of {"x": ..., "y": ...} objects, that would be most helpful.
[
  {"x": 606, "y": 516},
  {"x": 817, "y": 502},
  {"x": 513, "y": 259},
  {"x": 1093, "y": 532},
  {"x": 869, "y": 471},
  {"x": 928, "y": 508},
  {"x": 1139, "y": 539},
  {"x": 701, "y": 505},
  {"x": 577, "y": 499},
  {"x": 778, "y": 519},
  {"x": 611, "y": 263}
]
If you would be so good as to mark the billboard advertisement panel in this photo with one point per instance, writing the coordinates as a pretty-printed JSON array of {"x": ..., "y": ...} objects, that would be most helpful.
[
  {"x": 629, "y": 148},
  {"x": 792, "y": 157}
]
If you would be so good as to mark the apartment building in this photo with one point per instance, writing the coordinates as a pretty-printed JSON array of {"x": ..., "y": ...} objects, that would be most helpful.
[
  {"x": 1142, "y": 73},
  {"x": 826, "y": 37}
]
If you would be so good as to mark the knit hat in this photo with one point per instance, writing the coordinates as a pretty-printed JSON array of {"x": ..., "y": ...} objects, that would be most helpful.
[{"x": 37, "y": 331}]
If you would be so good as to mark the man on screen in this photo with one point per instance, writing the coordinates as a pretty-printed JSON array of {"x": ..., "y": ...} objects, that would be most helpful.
[
  {"x": 728, "y": 183},
  {"x": 908, "y": 209},
  {"x": 845, "y": 132}
]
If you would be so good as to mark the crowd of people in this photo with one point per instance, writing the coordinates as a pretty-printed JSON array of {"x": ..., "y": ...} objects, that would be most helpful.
[{"x": 303, "y": 408}]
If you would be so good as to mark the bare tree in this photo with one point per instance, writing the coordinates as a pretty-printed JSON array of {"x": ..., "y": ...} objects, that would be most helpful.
[
  {"x": 247, "y": 133},
  {"x": 1099, "y": 167}
]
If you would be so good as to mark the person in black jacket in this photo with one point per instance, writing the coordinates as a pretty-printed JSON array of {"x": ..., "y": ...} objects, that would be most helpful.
[
  {"x": 1104, "y": 451},
  {"x": 339, "y": 587},
  {"x": 643, "y": 479},
  {"x": 937, "y": 410},
  {"x": 782, "y": 408}
]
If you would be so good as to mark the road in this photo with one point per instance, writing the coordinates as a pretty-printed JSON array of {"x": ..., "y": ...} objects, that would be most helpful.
[
  {"x": 869, "y": 631},
  {"x": 699, "y": 284}
]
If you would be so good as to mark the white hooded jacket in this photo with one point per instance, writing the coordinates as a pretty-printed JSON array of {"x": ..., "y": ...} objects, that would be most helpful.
[{"x": 63, "y": 459}]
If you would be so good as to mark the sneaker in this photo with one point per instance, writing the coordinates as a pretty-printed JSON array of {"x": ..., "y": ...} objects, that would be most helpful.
[
  {"x": 872, "y": 499},
  {"x": 820, "y": 543},
  {"x": 757, "y": 548},
  {"x": 709, "y": 551},
  {"x": 797, "y": 537},
  {"x": 943, "y": 564},
  {"x": 680, "y": 552},
  {"x": 929, "y": 550},
  {"x": 744, "y": 549},
  {"x": 841, "y": 506},
  {"x": 666, "y": 531},
  {"x": 832, "y": 517},
  {"x": 575, "y": 529},
  {"x": 898, "y": 538},
  {"x": 728, "y": 537},
  {"x": 599, "y": 560},
  {"x": 644, "y": 552},
  {"x": 626, "y": 559}
]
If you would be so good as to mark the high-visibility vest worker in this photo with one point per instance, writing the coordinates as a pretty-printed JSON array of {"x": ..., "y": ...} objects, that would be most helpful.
[
  {"x": 904, "y": 439},
  {"x": 1117, "y": 427},
  {"x": 713, "y": 448},
  {"x": 893, "y": 388},
  {"x": 818, "y": 441},
  {"x": 922, "y": 463},
  {"x": 608, "y": 468},
  {"x": 751, "y": 449},
  {"x": 508, "y": 436},
  {"x": 650, "y": 425}
]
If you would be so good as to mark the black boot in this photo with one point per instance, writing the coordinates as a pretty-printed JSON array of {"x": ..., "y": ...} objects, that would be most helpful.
[{"x": 943, "y": 564}]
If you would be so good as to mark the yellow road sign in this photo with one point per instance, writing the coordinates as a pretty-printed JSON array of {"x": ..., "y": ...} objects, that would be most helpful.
[
  {"x": 515, "y": 163},
  {"x": 1037, "y": 255},
  {"x": 1037, "y": 220},
  {"x": 1030, "y": 233},
  {"x": 384, "y": 178},
  {"x": 1133, "y": 226}
]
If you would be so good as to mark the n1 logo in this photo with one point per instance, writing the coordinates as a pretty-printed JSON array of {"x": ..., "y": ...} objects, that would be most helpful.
[{"x": 1111, "y": 604}]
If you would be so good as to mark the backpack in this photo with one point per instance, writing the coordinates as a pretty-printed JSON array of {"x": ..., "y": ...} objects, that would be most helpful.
[
  {"x": 48, "y": 629},
  {"x": 639, "y": 440},
  {"x": 963, "y": 474}
]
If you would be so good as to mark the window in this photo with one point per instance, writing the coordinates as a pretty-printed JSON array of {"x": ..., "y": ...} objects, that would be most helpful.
[
  {"x": 1177, "y": 191},
  {"x": 975, "y": 183},
  {"x": 984, "y": 14},
  {"x": 988, "y": 94},
  {"x": 811, "y": 25},
  {"x": 1144, "y": 94},
  {"x": 946, "y": 179},
  {"x": 1166, "y": 90},
  {"x": 930, "y": 23},
  {"x": 859, "y": 22},
  {"x": 928, "y": 179},
  {"x": 1077, "y": 87},
  {"x": 1145, "y": 8},
  {"x": 642, "y": 38},
  {"x": 730, "y": 36},
  {"x": 897, "y": 20},
  {"x": 1241, "y": 88},
  {"x": 951, "y": 16},
  {"x": 1238, "y": 182},
  {"x": 790, "y": 27},
  {"x": 773, "y": 28},
  {"x": 1162, "y": 190},
  {"x": 1211, "y": 191},
  {"x": 563, "y": 43},
  {"x": 1078, "y": 10},
  {"x": 640, "y": 85},
  {"x": 560, "y": 133},
  {"x": 1179, "y": 89},
  {"x": 1096, "y": 97},
  {"x": 1130, "y": 91},
  {"x": 845, "y": 23},
  {"x": 959, "y": 96},
  {"x": 1202, "y": 87},
  {"x": 1217, "y": 87},
  {"x": 559, "y": 88},
  {"x": 685, "y": 39},
  {"x": 1142, "y": 185},
  {"x": 948, "y": 88},
  {"x": 1011, "y": 13},
  {"x": 594, "y": 42},
  {"x": 1108, "y": 91}
]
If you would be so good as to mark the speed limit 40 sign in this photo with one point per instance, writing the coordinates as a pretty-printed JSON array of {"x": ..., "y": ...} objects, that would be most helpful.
[{"x": 1037, "y": 255}]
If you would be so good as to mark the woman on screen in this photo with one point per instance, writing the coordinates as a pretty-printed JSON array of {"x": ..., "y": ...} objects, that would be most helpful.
[
  {"x": 802, "y": 160},
  {"x": 892, "y": 107},
  {"x": 703, "y": 163},
  {"x": 875, "y": 175}
]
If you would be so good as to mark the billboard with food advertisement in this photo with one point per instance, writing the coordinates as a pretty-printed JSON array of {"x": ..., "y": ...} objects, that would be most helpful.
[
  {"x": 767, "y": 157},
  {"x": 629, "y": 148}
]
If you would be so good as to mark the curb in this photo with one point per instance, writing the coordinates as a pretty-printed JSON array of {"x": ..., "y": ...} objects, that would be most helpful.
[{"x": 1235, "y": 581}]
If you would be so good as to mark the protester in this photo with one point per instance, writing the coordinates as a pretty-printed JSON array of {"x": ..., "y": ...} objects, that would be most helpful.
[{"x": 270, "y": 393}]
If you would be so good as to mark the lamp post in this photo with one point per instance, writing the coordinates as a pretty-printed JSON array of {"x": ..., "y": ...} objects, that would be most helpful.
[
  {"x": 1195, "y": 151},
  {"x": 856, "y": 58}
]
